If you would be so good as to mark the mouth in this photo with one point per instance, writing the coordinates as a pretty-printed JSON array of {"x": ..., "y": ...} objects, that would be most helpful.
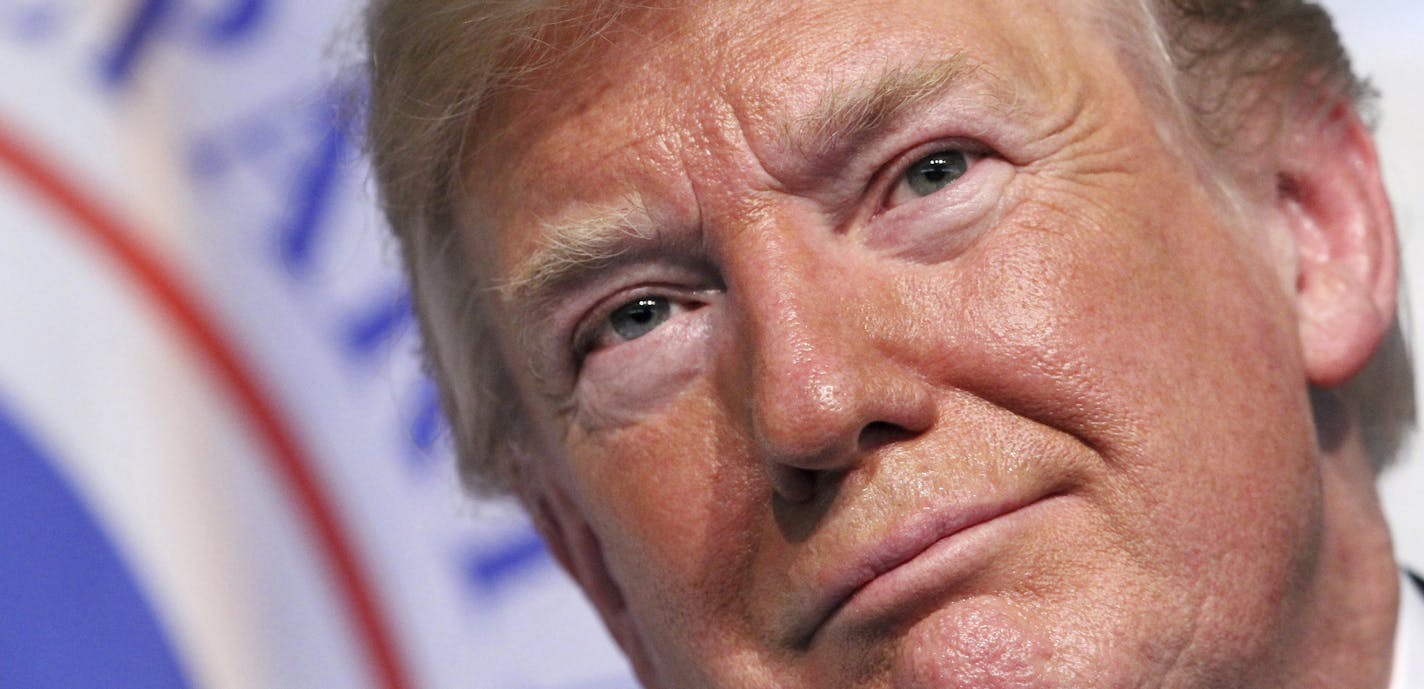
[{"x": 925, "y": 555}]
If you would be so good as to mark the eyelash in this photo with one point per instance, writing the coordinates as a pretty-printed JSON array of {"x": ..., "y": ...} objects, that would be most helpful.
[{"x": 592, "y": 327}]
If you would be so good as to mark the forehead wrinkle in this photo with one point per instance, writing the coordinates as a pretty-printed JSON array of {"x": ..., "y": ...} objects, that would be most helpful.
[{"x": 848, "y": 112}]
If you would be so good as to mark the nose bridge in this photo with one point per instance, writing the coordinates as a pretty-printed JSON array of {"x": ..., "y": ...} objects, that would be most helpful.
[
  {"x": 803, "y": 378},
  {"x": 814, "y": 378}
]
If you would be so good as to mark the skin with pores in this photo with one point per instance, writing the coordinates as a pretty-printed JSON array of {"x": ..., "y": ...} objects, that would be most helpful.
[{"x": 826, "y": 417}]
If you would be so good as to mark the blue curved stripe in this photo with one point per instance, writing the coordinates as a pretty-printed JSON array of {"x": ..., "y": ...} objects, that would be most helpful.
[{"x": 71, "y": 614}]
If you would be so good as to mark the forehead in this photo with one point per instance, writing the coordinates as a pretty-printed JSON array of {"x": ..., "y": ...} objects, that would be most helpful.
[{"x": 735, "y": 84}]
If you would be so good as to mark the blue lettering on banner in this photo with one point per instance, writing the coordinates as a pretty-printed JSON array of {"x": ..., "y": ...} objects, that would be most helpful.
[
  {"x": 490, "y": 567},
  {"x": 372, "y": 329},
  {"x": 302, "y": 147},
  {"x": 313, "y": 194},
  {"x": 241, "y": 18},
  {"x": 427, "y": 424},
  {"x": 308, "y": 155},
  {"x": 312, "y": 166},
  {"x": 120, "y": 62},
  {"x": 154, "y": 21}
]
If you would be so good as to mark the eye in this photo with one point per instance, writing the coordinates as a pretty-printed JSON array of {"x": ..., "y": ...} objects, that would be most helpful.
[
  {"x": 627, "y": 321},
  {"x": 930, "y": 174},
  {"x": 635, "y": 314},
  {"x": 639, "y": 317}
]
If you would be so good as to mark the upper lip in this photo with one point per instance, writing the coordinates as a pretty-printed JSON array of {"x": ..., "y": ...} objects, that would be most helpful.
[{"x": 902, "y": 542}]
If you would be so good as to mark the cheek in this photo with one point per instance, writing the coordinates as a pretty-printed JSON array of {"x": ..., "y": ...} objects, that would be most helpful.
[
  {"x": 1142, "y": 316},
  {"x": 674, "y": 507},
  {"x": 1156, "y": 338},
  {"x": 1172, "y": 353}
]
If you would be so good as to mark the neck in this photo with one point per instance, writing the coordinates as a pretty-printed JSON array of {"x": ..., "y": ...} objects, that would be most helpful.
[{"x": 1349, "y": 623}]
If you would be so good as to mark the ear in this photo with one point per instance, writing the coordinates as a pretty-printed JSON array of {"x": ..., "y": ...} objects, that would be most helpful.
[
  {"x": 1331, "y": 195},
  {"x": 578, "y": 550}
]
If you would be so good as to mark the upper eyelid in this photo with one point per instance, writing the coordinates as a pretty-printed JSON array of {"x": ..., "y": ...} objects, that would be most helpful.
[
  {"x": 902, "y": 162},
  {"x": 586, "y": 326},
  {"x": 569, "y": 288},
  {"x": 552, "y": 313}
]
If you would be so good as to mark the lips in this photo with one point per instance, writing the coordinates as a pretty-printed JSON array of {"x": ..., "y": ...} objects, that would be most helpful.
[{"x": 915, "y": 557}]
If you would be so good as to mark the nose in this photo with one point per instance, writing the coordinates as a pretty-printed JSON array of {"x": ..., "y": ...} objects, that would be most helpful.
[{"x": 823, "y": 389}]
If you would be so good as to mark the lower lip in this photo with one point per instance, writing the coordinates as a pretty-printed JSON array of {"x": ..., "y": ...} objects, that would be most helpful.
[{"x": 936, "y": 571}]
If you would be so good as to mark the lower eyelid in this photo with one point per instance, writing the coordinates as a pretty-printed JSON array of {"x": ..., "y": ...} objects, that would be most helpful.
[
  {"x": 972, "y": 157},
  {"x": 634, "y": 368},
  {"x": 624, "y": 384},
  {"x": 587, "y": 336},
  {"x": 934, "y": 224}
]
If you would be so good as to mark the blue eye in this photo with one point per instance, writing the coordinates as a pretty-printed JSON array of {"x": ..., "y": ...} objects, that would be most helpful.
[
  {"x": 639, "y": 317},
  {"x": 936, "y": 171}
]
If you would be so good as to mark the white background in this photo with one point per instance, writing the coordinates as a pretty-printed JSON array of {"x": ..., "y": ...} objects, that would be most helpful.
[{"x": 1386, "y": 38}]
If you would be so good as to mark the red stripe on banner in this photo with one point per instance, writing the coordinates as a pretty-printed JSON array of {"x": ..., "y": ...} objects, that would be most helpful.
[{"x": 286, "y": 458}]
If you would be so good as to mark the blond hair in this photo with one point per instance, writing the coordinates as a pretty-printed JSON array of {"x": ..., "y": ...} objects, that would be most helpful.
[{"x": 436, "y": 67}]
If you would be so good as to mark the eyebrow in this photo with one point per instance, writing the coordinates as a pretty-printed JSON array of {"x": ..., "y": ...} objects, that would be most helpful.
[
  {"x": 843, "y": 117},
  {"x": 572, "y": 250},
  {"x": 850, "y": 112}
]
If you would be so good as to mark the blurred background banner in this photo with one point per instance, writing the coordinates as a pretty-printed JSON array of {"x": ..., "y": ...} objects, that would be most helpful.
[{"x": 220, "y": 465}]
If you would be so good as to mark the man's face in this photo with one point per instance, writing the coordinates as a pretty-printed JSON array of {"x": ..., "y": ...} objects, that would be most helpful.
[{"x": 891, "y": 344}]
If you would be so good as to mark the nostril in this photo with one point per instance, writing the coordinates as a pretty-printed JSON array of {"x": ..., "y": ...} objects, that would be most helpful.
[
  {"x": 793, "y": 484},
  {"x": 880, "y": 433}
]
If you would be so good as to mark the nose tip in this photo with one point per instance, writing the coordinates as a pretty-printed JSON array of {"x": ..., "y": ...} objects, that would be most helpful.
[
  {"x": 805, "y": 430},
  {"x": 818, "y": 420},
  {"x": 803, "y": 417}
]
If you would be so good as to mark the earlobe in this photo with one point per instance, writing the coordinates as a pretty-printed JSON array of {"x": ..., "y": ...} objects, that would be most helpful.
[
  {"x": 1331, "y": 195},
  {"x": 578, "y": 550}
]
